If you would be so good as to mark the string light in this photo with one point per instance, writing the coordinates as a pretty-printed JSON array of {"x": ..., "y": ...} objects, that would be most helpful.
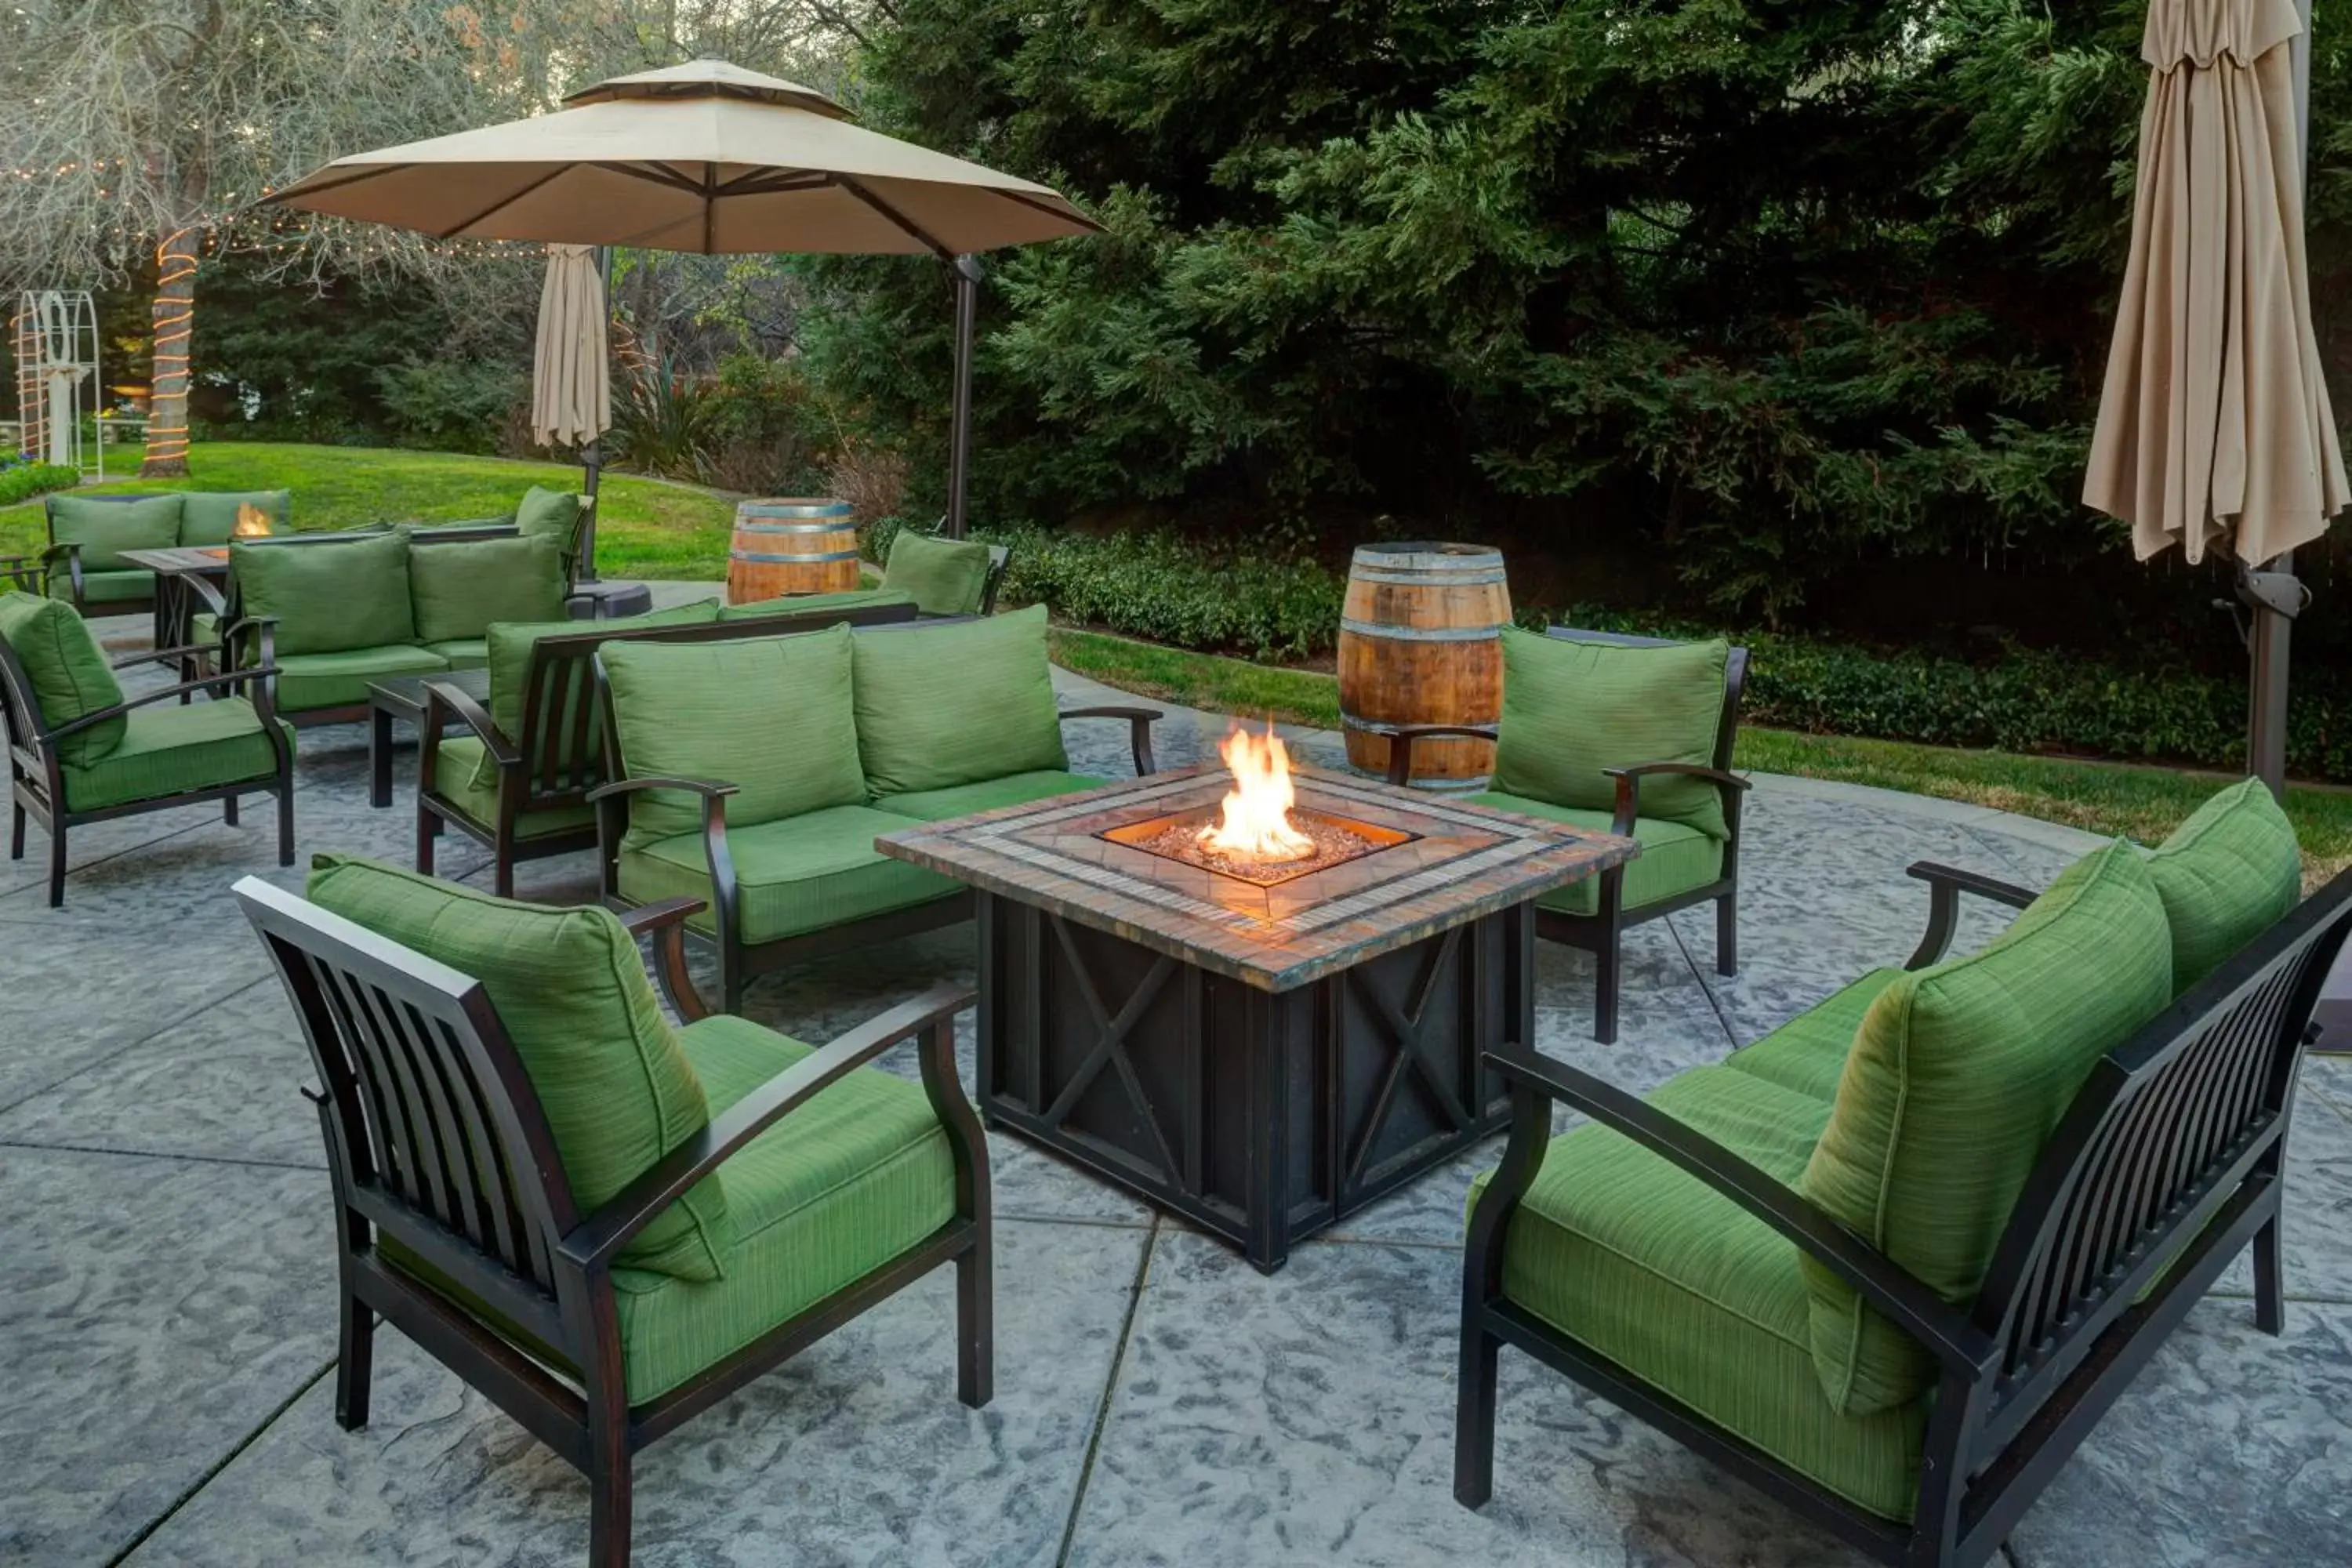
[{"x": 173, "y": 264}]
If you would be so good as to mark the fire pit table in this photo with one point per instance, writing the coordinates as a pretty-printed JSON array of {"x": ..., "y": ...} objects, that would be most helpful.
[{"x": 1261, "y": 1048}]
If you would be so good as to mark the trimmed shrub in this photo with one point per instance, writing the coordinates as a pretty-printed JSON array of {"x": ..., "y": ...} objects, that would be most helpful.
[{"x": 23, "y": 481}]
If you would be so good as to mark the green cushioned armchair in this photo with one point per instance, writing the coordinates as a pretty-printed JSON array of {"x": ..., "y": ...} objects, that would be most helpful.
[
  {"x": 1630, "y": 734},
  {"x": 1892, "y": 1262},
  {"x": 80, "y": 751},
  {"x": 604, "y": 1223}
]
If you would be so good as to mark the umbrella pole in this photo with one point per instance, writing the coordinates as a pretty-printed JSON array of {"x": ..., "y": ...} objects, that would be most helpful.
[
  {"x": 967, "y": 323},
  {"x": 592, "y": 456}
]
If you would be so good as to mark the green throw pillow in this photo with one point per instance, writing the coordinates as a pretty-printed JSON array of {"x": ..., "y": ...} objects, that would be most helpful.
[
  {"x": 1572, "y": 709},
  {"x": 508, "y": 659},
  {"x": 329, "y": 597},
  {"x": 209, "y": 517},
  {"x": 956, "y": 702},
  {"x": 551, "y": 514},
  {"x": 104, "y": 529},
  {"x": 68, "y": 673},
  {"x": 2225, "y": 875},
  {"x": 946, "y": 575},
  {"x": 1955, "y": 1081},
  {"x": 771, "y": 715},
  {"x": 570, "y": 991},
  {"x": 460, "y": 589}
]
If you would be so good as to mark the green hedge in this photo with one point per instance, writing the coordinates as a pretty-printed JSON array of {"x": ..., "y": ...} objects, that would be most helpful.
[
  {"x": 1164, "y": 588},
  {"x": 22, "y": 481}
]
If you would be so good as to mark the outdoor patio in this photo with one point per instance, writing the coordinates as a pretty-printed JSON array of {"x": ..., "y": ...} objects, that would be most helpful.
[{"x": 169, "y": 1329}]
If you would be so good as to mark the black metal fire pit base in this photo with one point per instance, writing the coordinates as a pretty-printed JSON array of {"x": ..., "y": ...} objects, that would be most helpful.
[{"x": 1262, "y": 1116}]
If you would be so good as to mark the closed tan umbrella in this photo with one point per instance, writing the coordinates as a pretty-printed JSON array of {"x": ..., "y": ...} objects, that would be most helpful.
[{"x": 571, "y": 387}]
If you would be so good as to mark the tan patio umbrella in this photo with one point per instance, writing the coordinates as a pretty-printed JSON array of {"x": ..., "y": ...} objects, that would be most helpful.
[
  {"x": 707, "y": 158},
  {"x": 571, "y": 384},
  {"x": 2214, "y": 426}
]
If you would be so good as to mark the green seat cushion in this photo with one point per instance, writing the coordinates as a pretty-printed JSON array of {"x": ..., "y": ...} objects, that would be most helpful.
[
  {"x": 956, "y": 703},
  {"x": 815, "y": 603},
  {"x": 203, "y": 628},
  {"x": 462, "y": 653},
  {"x": 947, "y": 576},
  {"x": 508, "y": 659},
  {"x": 799, "y": 874},
  {"x": 104, "y": 529},
  {"x": 167, "y": 750},
  {"x": 853, "y": 1179},
  {"x": 1674, "y": 857},
  {"x": 770, "y": 715},
  {"x": 1572, "y": 709},
  {"x": 66, "y": 669},
  {"x": 311, "y": 680},
  {"x": 1956, "y": 1076},
  {"x": 571, "y": 995},
  {"x": 2225, "y": 875},
  {"x": 1647, "y": 1266},
  {"x": 551, "y": 515},
  {"x": 330, "y": 597},
  {"x": 460, "y": 589},
  {"x": 1808, "y": 1053},
  {"x": 104, "y": 587},
  {"x": 209, "y": 517},
  {"x": 989, "y": 794},
  {"x": 454, "y": 770}
]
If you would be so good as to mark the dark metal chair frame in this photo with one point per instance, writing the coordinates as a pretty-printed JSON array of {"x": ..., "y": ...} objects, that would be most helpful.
[
  {"x": 435, "y": 1139},
  {"x": 1602, "y": 933},
  {"x": 2169, "y": 1163},
  {"x": 740, "y": 961},
  {"x": 37, "y": 774}
]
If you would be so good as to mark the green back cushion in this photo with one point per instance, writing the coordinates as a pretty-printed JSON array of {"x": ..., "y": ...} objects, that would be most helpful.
[
  {"x": 944, "y": 705},
  {"x": 1572, "y": 709},
  {"x": 352, "y": 592},
  {"x": 458, "y": 590},
  {"x": 1956, "y": 1078},
  {"x": 106, "y": 528},
  {"x": 2227, "y": 873},
  {"x": 550, "y": 515},
  {"x": 771, "y": 715},
  {"x": 67, "y": 672},
  {"x": 510, "y": 662},
  {"x": 946, "y": 575},
  {"x": 570, "y": 991},
  {"x": 209, "y": 517}
]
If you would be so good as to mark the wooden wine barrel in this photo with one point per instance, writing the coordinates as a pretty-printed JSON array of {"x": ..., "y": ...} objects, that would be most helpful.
[
  {"x": 792, "y": 546},
  {"x": 1421, "y": 642}
]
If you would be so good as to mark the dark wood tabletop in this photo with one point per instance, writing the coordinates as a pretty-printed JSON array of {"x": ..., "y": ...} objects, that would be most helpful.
[{"x": 203, "y": 561}]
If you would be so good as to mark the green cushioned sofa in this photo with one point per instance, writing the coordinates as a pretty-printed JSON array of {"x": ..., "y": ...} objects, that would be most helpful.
[
  {"x": 602, "y": 1222},
  {"x": 1890, "y": 1262},
  {"x": 1631, "y": 735},
  {"x": 89, "y": 533},
  {"x": 753, "y": 775}
]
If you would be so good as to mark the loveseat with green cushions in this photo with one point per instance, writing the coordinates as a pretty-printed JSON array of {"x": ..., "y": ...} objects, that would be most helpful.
[
  {"x": 333, "y": 615},
  {"x": 515, "y": 774},
  {"x": 604, "y": 1223},
  {"x": 1890, "y": 1262},
  {"x": 89, "y": 533},
  {"x": 755, "y": 775},
  {"x": 1628, "y": 735}
]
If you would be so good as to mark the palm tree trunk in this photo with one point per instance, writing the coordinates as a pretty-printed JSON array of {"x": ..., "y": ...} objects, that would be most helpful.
[{"x": 174, "y": 318}]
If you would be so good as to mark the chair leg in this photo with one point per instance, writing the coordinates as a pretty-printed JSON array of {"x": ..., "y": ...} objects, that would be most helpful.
[
  {"x": 354, "y": 1364},
  {"x": 228, "y": 810},
  {"x": 56, "y": 864},
  {"x": 15, "y": 830},
  {"x": 502, "y": 871},
  {"x": 1726, "y": 934},
  {"x": 608, "y": 1491},
  {"x": 1604, "y": 991},
  {"x": 2270, "y": 1299},
  {"x": 975, "y": 1326},
  {"x": 1473, "y": 1418},
  {"x": 286, "y": 823},
  {"x": 427, "y": 825}
]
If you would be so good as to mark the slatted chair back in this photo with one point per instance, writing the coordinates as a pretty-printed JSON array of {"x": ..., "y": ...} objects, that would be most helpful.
[
  {"x": 1735, "y": 678},
  {"x": 435, "y": 1135},
  {"x": 2182, "y": 1123}
]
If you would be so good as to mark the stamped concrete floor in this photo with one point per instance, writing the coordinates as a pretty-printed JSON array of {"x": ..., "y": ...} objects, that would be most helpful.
[{"x": 165, "y": 1288}]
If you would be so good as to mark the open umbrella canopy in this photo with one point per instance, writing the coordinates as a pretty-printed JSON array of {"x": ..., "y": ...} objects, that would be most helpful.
[
  {"x": 571, "y": 386},
  {"x": 705, "y": 158}
]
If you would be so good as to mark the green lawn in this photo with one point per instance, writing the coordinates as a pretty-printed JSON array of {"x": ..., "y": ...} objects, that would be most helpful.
[
  {"x": 2144, "y": 803},
  {"x": 649, "y": 528}
]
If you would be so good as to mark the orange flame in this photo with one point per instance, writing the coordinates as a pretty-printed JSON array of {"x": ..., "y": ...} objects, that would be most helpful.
[{"x": 1255, "y": 821}]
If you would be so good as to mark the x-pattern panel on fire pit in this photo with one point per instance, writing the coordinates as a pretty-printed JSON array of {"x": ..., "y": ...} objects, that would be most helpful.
[{"x": 1430, "y": 863}]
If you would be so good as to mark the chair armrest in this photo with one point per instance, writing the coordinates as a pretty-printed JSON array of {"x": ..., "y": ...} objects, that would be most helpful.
[
  {"x": 591, "y": 1245},
  {"x": 664, "y": 922},
  {"x": 71, "y": 551},
  {"x": 1629, "y": 788},
  {"x": 147, "y": 697},
  {"x": 26, "y": 573},
  {"x": 1887, "y": 1287},
  {"x": 1139, "y": 740},
  {"x": 703, "y": 787},
  {"x": 1944, "y": 886},
  {"x": 1400, "y": 738},
  {"x": 724, "y": 895},
  {"x": 440, "y": 696},
  {"x": 159, "y": 655}
]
